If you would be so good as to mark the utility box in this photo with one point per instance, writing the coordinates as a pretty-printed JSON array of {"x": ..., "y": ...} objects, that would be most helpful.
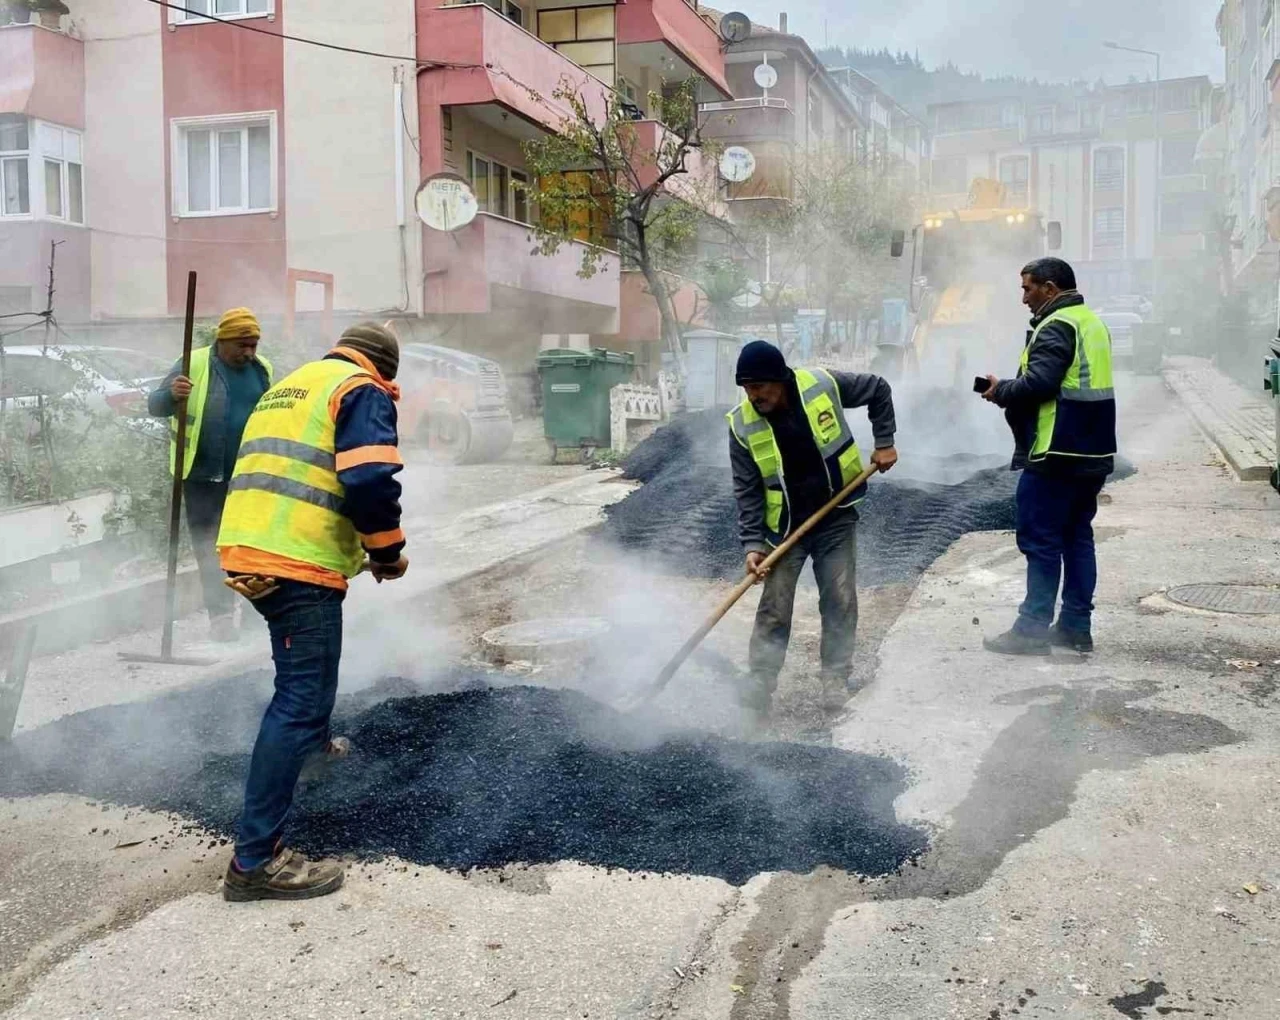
[
  {"x": 711, "y": 368},
  {"x": 575, "y": 399}
]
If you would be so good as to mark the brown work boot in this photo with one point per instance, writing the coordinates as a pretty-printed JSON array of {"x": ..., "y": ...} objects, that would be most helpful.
[
  {"x": 287, "y": 876},
  {"x": 835, "y": 694}
]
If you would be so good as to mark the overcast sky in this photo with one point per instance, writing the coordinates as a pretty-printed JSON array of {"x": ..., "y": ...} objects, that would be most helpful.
[{"x": 1051, "y": 39}]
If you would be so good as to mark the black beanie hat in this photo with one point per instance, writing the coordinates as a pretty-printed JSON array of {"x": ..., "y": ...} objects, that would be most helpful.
[
  {"x": 375, "y": 342},
  {"x": 759, "y": 361}
]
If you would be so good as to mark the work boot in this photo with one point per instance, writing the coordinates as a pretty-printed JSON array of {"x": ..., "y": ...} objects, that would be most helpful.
[
  {"x": 835, "y": 694},
  {"x": 1077, "y": 640},
  {"x": 223, "y": 629},
  {"x": 287, "y": 876},
  {"x": 1015, "y": 642}
]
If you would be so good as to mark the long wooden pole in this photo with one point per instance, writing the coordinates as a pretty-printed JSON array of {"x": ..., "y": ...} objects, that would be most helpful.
[
  {"x": 179, "y": 461},
  {"x": 743, "y": 586}
]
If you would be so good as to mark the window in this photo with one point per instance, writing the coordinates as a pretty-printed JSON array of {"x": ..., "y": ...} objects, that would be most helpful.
[
  {"x": 1138, "y": 101},
  {"x": 1182, "y": 214},
  {"x": 498, "y": 189},
  {"x": 1177, "y": 156},
  {"x": 224, "y": 166},
  {"x": 584, "y": 35},
  {"x": 511, "y": 11},
  {"x": 15, "y": 188},
  {"x": 1042, "y": 122},
  {"x": 201, "y": 9},
  {"x": 1014, "y": 173},
  {"x": 815, "y": 113},
  {"x": 632, "y": 96},
  {"x": 1108, "y": 169},
  {"x": 1108, "y": 228},
  {"x": 1090, "y": 116},
  {"x": 950, "y": 176}
]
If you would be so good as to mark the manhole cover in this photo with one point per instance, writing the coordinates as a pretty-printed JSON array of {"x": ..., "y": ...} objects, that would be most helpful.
[
  {"x": 546, "y": 640},
  {"x": 1246, "y": 599}
]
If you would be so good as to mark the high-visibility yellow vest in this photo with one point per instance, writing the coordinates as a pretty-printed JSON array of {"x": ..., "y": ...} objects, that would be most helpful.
[
  {"x": 820, "y": 397},
  {"x": 1081, "y": 420},
  {"x": 285, "y": 497},
  {"x": 201, "y": 372}
]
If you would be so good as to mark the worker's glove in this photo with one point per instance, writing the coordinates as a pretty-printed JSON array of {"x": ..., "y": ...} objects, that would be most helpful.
[{"x": 252, "y": 586}]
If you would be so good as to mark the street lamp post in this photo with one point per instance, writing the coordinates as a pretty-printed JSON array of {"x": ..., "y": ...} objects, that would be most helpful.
[{"x": 1155, "y": 223}]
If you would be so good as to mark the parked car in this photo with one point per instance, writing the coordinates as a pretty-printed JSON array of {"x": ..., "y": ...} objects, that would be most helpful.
[
  {"x": 104, "y": 378},
  {"x": 1120, "y": 325},
  {"x": 454, "y": 402}
]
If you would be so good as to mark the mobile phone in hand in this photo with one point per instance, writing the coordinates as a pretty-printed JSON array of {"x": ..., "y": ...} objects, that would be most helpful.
[{"x": 981, "y": 384}]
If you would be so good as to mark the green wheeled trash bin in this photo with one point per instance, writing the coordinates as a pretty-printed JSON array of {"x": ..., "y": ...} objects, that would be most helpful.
[{"x": 575, "y": 399}]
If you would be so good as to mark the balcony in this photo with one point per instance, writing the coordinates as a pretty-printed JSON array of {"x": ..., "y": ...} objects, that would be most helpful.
[
  {"x": 676, "y": 25},
  {"x": 698, "y": 186},
  {"x": 490, "y": 265},
  {"x": 503, "y": 64},
  {"x": 639, "y": 321},
  {"x": 743, "y": 121},
  {"x": 42, "y": 74}
]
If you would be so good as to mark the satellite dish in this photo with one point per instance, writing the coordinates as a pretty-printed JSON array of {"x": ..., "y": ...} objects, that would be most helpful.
[
  {"x": 735, "y": 27},
  {"x": 737, "y": 164},
  {"x": 766, "y": 76},
  {"x": 445, "y": 202},
  {"x": 750, "y": 296}
]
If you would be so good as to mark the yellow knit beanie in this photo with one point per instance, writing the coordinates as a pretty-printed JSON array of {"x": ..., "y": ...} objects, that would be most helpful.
[{"x": 238, "y": 324}]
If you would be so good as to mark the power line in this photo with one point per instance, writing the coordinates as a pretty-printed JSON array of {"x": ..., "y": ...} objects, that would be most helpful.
[
  {"x": 19, "y": 315},
  {"x": 245, "y": 26}
]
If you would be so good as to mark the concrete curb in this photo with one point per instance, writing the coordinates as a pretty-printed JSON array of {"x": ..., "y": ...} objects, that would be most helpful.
[
  {"x": 1239, "y": 424},
  {"x": 100, "y": 615}
]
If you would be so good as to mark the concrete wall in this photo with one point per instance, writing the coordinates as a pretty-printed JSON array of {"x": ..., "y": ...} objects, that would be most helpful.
[
  {"x": 124, "y": 147},
  {"x": 24, "y": 262},
  {"x": 341, "y": 124}
]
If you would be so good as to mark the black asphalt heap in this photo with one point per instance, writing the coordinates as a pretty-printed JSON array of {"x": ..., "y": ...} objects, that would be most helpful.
[
  {"x": 685, "y": 514},
  {"x": 487, "y": 777}
]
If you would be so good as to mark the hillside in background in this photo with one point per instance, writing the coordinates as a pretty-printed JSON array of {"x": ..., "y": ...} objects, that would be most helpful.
[{"x": 913, "y": 85}]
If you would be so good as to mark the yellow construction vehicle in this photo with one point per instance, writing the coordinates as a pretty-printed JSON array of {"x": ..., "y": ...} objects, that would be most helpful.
[{"x": 965, "y": 291}]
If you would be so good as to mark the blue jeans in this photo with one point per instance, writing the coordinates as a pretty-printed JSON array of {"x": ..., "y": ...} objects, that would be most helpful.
[
  {"x": 1055, "y": 533},
  {"x": 305, "y": 621}
]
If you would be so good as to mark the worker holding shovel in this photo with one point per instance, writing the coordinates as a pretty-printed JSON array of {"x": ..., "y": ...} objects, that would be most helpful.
[
  {"x": 792, "y": 450},
  {"x": 314, "y": 493}
]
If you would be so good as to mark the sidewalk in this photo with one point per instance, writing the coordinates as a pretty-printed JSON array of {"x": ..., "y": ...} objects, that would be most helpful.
[{"x": 1241, "y": 424}]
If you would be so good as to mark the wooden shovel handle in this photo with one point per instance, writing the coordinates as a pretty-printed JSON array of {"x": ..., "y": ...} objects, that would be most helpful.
[{"x": 743, "y": 586}]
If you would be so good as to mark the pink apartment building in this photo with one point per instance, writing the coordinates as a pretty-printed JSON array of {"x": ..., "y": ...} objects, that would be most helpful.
[{"x": 151, "y": 140}]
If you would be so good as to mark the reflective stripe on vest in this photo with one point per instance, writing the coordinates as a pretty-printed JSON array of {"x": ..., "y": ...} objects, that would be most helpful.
[
  {"x": 1080, "y": 420},
  {"x": 285, "y": 497},
  {"x": 201, "y": 372},
  {"x": 820, "y": 398}
]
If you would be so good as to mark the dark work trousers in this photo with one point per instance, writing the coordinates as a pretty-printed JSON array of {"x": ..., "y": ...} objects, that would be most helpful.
[
  {"x": 305, "y": 621},
  {"x": 205, "y": 501},
  {"x": 1055, "y": 533},
  {"x": 834, "y": 551}
]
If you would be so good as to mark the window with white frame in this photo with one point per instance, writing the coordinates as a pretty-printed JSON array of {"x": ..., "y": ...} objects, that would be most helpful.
[
  {"x": 41, "y": 170},
  {"x": 201, "y": 10},
  {"x": 58, "y": 152},
  {"x": 224, "y": 166},
  {"x": 499, "y": 189},
  {"x": 15, "y": 166}
]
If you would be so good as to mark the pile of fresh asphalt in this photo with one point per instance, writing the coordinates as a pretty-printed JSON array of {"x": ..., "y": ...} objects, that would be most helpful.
[
  {"x": 685, "y": 515},
  {"x": 484, "y": 777}
]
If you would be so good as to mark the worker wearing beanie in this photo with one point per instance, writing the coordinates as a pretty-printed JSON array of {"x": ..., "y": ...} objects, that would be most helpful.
[
  {"x": 226, "y": 380},
  {"x": 314, "y": 493},
  {"x": 791, "y": 449}
]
